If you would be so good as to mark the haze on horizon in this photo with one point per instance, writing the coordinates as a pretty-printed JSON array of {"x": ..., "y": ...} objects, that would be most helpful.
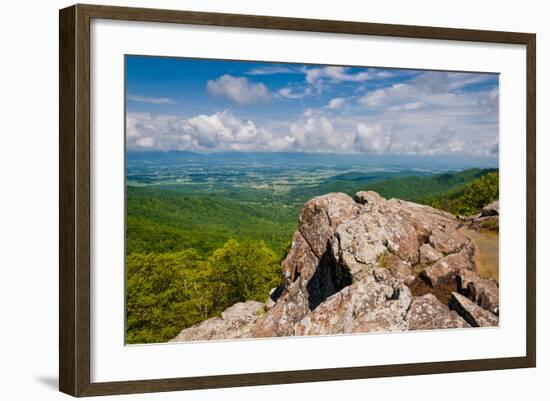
[{"x": 211, "y": 106}]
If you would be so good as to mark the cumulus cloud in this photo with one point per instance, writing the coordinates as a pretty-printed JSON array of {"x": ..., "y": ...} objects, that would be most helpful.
[
  {"x": 238, "y": 89},
  {"x": 435, "y": 90},
  {"x": 272, "y": 70},
  {"x": 313, "y": 132},
  {"x": 145, "y": 142},
  {"x": 336, "y": 103},
  {"x": 372, "y": 138},
  {"x": 437, "y": 113},
  {"x": 384, "y": 74},
  {"x": 373, "y": 98},
  {"x": 378, "y": 139},
  {"x": 427, "y": 115},
  {"x": 407, "y": 106},
  {"x": 149, "y": 99},
  {"x": 294, "y": 93},
  {"x": 221, "y": 131},
  {"x": 443, "y": 141},
  {"x": 437, "y": 81},
  {"x": 339, "y": 74}
]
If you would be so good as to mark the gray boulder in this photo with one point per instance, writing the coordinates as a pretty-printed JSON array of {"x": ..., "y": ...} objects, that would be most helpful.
[
  {"x": 428, "y": 313},
  {"x": 429, "y": 255},
  {"x": 445, "y": 269},
  {"x": 492, "y": 209},
  {"x": 236, "y": 321},
  {"x": 474, "y": 314},
  {"x": 348, "y": 271},
  {"x": 484, "y": 292}
]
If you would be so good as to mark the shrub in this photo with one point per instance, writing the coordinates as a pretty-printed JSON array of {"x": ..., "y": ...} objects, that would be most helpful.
[
  {"x": 164, "y": 292},
  {"x": 242, "y": 271}
]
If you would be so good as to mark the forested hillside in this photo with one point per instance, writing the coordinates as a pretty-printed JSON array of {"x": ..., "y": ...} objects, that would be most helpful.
[{"x": 191, "y": 255}]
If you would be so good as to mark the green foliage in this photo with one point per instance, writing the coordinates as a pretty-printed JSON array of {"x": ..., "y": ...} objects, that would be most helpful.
[
  {"x": 191, "y": 255},
  {"x": 479, "y": 193},
  {"x": 383, "y": 260},
  {"x": 166, "y": 221},
  {"x": 169, "y": 291},
  {"x": 469, "y": 199},
  {"x": 415, "y": 188},
  {"x": 490, "y": 225},
  {"x": 164, "y": 292},
  {"x": 242, "y": 271},
  {"x": 170, "y": 220}
]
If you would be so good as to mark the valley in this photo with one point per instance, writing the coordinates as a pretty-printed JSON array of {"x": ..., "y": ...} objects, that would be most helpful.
[{"x": 194, "y": 221}]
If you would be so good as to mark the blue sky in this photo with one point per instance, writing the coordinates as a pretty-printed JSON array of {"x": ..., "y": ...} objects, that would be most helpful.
[{"x": 220, "y": 105}]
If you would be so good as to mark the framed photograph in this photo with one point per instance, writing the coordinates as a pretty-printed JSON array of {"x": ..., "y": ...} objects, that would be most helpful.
[{"x": 250, "y": 200}]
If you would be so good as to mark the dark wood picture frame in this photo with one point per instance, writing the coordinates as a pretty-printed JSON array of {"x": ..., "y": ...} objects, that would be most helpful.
[{"x": 74, "y": 202}]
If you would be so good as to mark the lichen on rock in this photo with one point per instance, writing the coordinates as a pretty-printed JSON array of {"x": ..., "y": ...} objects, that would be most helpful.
[{"x": 349, "y": 269}]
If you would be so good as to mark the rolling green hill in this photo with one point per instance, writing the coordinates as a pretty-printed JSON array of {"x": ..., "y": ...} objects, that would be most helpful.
[
  {"x": 416, "y": 188},
  {"x": 161, "y": 220},
  {"x": 192, "y": 254}
]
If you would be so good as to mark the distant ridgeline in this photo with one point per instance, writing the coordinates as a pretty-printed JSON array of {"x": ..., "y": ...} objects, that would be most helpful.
[{"x": 192, "y": 253}]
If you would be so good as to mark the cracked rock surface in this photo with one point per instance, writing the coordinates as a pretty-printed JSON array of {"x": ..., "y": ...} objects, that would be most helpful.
[{"x": 351, "y": 267}]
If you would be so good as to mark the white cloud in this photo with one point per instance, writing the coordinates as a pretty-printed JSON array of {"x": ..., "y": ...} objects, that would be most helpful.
[
  {"x": 407, "y": 106},
  {"x": 292, "y": 93},
  {"x": 439, "y": 82},
  {"x": 220, "y": 131},
  {"x": 436, "y": 90},
  {"x": 217, "y": 129},
  {"x": 338, "y": 74},
  {"x": 313, "y": 132},
  {"x": 437, "y": 113},
  {"x": 238, "y": 89},
  {"x": 272, "y": 70},
  {"x": 384, "y": 74},
  {"x": 443, "y": 142},
  {"x": 376, "y": 138},
  {"x": 336, "y": 103},
  {"x": 424, "y": 116},
  {"x": 149, "y": 99},
  {"x": 373, "y": 98},
  {"x": 372, "y": 138},
  {"x": 145, "y": 142}
]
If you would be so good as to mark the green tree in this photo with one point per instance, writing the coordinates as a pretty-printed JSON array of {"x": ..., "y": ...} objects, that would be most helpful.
[
  {"x": 164, "y": 293},
  {"x": 467, "y": 200},
  {"x": 241, "y": 271},
  {"x": 478, "y": 193}
]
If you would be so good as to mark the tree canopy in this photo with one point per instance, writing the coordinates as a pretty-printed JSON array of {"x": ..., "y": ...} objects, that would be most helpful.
[
  {"x": 166, "y": 292},
  {"x": 190, "y": 256},
  {"x": 470, "y": 199},
  {"x": 242, "y": 271}
]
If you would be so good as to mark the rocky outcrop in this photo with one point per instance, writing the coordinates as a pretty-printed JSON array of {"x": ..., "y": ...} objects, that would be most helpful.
[
  {"x": 484, "y": 292},
  {"x": 235, "y": 322},
  {"x": 492, "y": 209},
  {"x": 487, "y": 218},
  {"x": 445, "y": 269},
  {"x": 365, "y": 306},
  {"x": 475, "y": 315},
  {"x": 428, "y": 313},
  {"x": 400, "y": 269},
  {"x": 428, "y": 254},
  {"x": 351, "y": 267}
]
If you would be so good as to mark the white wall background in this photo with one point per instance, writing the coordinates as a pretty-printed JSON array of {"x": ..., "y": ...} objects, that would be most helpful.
[{"x": 29, "y": 185}]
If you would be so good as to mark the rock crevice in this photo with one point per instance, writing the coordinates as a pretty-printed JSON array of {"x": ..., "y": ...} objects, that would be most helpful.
[{"x": 351, "y": 267}]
